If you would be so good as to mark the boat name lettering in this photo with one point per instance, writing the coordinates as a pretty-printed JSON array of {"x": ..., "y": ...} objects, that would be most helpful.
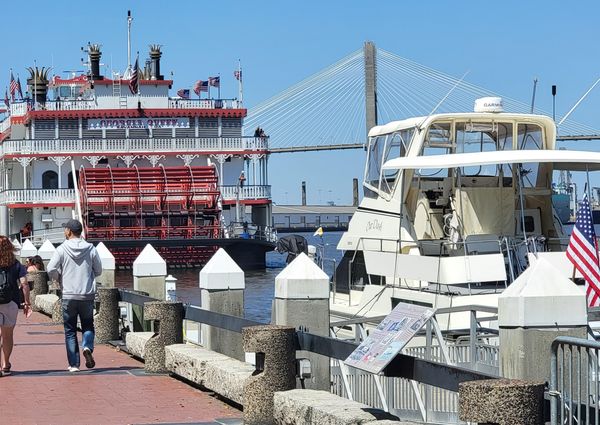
[
  {"x": 111, "y": 124},
  {"x": 374, "y": 225}
]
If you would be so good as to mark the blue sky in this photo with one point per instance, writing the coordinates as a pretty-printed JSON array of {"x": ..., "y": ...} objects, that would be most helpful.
[{"x": 504, "y": 45}]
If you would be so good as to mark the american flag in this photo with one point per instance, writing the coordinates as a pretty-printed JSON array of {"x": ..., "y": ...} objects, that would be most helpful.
[
  {"x": 200, "y": 86},
  {"x": 238, "y": 75},
  {"x": 134, "y": 79},
  {"x": 583, "y": 252},
  {"x": 214, "y": 81},
  {"x": 6, "y": 101},
  {"x": 13, "y": 86},
  {"x": 19, "y": 90},
  {"x": 183, "y": 93}
]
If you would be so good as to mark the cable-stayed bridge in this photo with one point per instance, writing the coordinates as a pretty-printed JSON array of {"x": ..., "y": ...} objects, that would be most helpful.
[{"x": 333, "y": 108}]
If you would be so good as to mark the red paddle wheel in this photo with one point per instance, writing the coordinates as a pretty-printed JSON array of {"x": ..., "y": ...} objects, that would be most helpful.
[{"x": 173, "y": 208}]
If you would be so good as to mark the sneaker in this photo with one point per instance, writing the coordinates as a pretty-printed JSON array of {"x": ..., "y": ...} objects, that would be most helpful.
[
  {"x": 73, "y": 369},
  {"x": 89, "y": 358}
]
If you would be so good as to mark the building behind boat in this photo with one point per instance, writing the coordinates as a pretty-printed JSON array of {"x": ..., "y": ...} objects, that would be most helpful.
[{"x": 149, "y": 168}]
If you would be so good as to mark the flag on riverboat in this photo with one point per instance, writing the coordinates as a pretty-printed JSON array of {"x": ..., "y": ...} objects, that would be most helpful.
[
  {"x": 134, "y": 79},
  {"x": 214, "y": 81},
  {"x": 238, "y": 75},
  {"x": 200, "y": 86},
  {"x": 19, "y": 90},
  {"x": 183, "y": 93},
  {"x": 13, "y": 87},
  {"x": 583, "y": 252},
  {"x": 6, "y": 101}
]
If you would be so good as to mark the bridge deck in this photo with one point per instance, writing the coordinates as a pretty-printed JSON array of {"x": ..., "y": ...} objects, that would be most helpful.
[{"x": 117, "y": 391}]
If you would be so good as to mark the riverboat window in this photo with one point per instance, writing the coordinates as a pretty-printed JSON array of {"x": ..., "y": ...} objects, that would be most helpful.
[
  {"x": 395, "y": 147},
  {"x": 49, "y": 180}
]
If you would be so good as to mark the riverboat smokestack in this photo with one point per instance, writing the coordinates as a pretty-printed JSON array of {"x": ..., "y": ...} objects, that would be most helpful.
[
  {"x": 94, "y": 54},
  {"x": 155, "y": 55},
  {"x": 38, "y": 83}
]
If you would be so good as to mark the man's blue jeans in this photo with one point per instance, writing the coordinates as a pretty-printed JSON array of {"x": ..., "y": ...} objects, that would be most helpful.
[{"x": 85, "y": 310}]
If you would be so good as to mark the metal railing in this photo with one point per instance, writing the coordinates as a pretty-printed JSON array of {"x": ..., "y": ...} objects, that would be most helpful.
[
  {"x": 472, "y": 349},
  {"x": 574, "y": 381},
  {"x": 436, "y": 383},
  {"x": 132, "y": 145}
]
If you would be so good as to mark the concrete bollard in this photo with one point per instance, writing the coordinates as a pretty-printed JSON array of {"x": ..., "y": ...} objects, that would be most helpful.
[
  {"x": 149, "y": 273},
  {"x": 107, "y": 318},
  {"x": 537, "y": 307},
  {"x": 27, "y": 250},
  {"x": 171, "y": 288},
  {"x": 107, "y": 278},
  {"x": 275, "y": 370},
  {"x": 302, "y": 300},
  {"x": 46, "y": 251},
  {"x": 170, "y": 318},
  {"x": 39, "y": 287},
  {"x": 501, "y": 401},
  {"x": 57, "y": 312},
  {"x": 222, "y": 284}
]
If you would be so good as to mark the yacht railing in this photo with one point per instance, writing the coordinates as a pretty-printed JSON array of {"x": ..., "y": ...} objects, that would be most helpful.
[{"x": 145, "y": 145}]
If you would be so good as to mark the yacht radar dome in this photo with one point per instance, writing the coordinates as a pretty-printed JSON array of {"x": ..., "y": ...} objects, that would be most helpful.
[{"x": 489, "y": 104}]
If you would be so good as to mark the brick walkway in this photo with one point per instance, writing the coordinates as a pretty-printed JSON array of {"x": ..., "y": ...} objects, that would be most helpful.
[{"x": 117, "y": 391}]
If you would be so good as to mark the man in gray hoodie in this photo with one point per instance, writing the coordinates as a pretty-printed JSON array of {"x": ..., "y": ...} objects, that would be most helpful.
[{"x": 77, "y": 264}]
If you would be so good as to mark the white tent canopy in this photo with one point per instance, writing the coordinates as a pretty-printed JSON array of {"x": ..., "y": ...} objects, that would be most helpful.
[{"x": 562, "y": 160}]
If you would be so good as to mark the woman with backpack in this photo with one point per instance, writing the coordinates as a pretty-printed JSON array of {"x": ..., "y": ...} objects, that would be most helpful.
[{"x": 12, "y": 280}]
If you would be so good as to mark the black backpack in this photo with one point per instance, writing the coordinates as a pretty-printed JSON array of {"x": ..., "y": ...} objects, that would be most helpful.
[{"x": 7, "y": 286}]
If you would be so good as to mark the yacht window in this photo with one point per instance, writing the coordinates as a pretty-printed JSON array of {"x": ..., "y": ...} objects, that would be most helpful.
[
  {"x": 374, "y": 160},
  {"x": 439, "y": 141},
  {"x": 530, "y": 137},
  {"x": 395, "y": 147}
]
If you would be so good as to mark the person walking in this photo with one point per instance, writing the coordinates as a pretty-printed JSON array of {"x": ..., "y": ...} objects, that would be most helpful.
[
  {"x": 76, "y": 264},
  {"x": 12, "y": 277}
]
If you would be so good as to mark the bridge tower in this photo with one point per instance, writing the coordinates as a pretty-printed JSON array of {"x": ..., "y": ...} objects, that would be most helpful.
[{"x": 369, "y": 52}]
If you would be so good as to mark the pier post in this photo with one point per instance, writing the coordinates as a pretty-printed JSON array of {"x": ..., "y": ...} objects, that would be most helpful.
[
  {"x": 149, "y": 273},
  {"x": 46, "y": 251},
  {"x": 169, "y": 316},
  {"x": 302, "y": 300},
  {"x": 501, "y": 401},
  {"x": 275, "y": 370},
  {"x": 107, "y": 319},
  {"x": 540, "y": 305},
  {"x": 107, "y": 278},
  {"x": 27, "y": 250},
  {"x": 222, "y": 284}
]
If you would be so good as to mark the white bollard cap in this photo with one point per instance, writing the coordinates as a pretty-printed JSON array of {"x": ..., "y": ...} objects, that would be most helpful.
[
  {"x": 47, "y": 250},
  {"x": 28, "y": 250},
  {"x": 302, "y": 279},
  {"x": 541, "y": 296},
  {"x": 221, "y": 272},
  {"x": 108, "y": 260},
  {"x": 149, "y": 263}
]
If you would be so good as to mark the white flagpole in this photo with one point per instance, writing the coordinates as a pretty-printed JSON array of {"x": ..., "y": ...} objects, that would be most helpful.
[
  {"x": 240, "y": 87},
  {"x": 219, "y": 88}
]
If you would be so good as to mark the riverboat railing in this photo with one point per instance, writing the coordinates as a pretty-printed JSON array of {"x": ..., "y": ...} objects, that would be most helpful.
[
  {"x": 230, "y": 192},
  {"x": 20, "y": 108},
  {"x": 37, "y": 196},
  {"x": 132, "y": 145}
]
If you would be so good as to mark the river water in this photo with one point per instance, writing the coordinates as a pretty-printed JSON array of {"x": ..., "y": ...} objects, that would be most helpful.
[{"x": 260, "y": 284}]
